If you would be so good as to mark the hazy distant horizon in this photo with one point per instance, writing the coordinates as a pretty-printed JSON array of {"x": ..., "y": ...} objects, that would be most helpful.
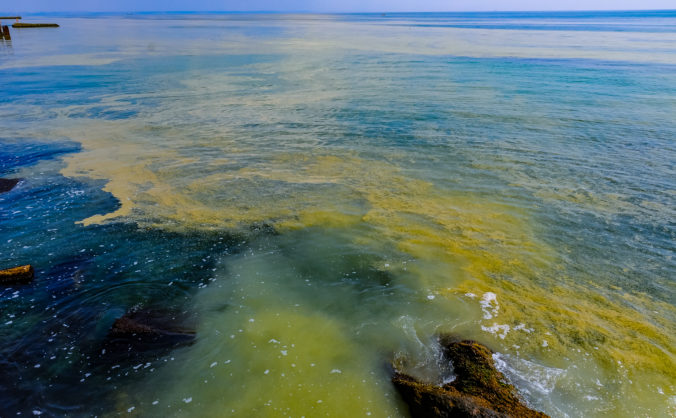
[
  {"x": 116, "y": 12},
  {"x": 331, "y": 6}
]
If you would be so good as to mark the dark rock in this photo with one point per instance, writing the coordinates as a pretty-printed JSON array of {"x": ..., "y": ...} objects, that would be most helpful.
[
  {"x": 145, "y": 330},
  {"x": 8, "y": 184},
  {"x": 17, "y": 275},
  {"x": 126, "y": 326},
  {"x": 479, "y": 389}
]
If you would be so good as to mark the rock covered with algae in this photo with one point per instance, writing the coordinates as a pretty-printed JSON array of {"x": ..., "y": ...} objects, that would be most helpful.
[
  {"x": 17, "y": 275},
  {"x": 479, "y": 389}
]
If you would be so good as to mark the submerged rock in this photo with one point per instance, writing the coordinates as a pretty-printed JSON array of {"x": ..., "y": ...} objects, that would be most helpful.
[
  {"x": 479, "y": 389},
  {"x": 145, "y": 330},
  {"x": 126, "y": 326},
  {"x": 17, "y": 275},
  {"x": 8, "y": 184}
]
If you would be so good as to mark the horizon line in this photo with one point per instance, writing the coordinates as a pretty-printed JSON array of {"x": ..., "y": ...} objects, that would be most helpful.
[{"x": 346, "y": 12}]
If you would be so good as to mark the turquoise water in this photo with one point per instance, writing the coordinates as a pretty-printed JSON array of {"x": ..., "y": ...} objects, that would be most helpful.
[{"x": 319, "y": 195}]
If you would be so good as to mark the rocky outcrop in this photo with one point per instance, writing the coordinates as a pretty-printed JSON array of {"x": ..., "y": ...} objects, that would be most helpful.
[
  {"x": 17, "y": 275},
  {"x": 8, "y": 184},
  {"x": 479, "y": 389}
]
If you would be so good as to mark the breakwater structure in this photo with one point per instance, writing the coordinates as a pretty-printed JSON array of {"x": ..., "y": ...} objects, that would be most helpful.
[
  {"x": 4, "y": 30},
  {"x": 35, "y": 25}
]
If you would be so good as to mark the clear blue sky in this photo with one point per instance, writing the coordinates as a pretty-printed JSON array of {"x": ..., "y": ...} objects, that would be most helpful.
[{"x": 28, "y": 6}]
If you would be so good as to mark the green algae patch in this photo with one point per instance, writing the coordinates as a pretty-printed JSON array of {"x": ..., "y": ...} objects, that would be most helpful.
[
  {"x": 440, "y": 243},
  {"x": 264, "y": 349}
]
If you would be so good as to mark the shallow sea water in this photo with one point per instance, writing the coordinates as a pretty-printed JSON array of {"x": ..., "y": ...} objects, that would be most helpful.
[{"x": 322, "y": 194}]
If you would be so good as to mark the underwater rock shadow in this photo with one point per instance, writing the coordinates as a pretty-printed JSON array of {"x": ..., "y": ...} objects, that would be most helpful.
[{"x": 146, "y": 330}]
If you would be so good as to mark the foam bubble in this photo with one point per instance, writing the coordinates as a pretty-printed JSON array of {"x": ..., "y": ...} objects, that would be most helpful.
[
  {"x": 501, "y": 330},
  {"x": 528, "y": 375},
  {"x": 489, "y": 305}
]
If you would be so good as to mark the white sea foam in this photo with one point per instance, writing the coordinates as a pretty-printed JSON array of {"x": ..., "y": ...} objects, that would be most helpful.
[
  {"x": 500, "y": 330},
  {"x": 489, "y": 305},
  {"x": 522, "y": 327},
  {"x": 528, "y": 376}
]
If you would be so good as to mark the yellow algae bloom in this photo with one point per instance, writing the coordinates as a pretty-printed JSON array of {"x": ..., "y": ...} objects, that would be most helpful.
[{"x": 457, "y": 244}]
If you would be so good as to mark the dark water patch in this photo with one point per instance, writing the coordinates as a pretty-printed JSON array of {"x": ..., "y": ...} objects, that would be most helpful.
[
  {"x": 19, "y": 152},
  {"x": 54, "y": 329}
]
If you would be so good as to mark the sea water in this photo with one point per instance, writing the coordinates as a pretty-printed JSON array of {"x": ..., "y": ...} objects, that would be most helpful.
[{"x": 322, "y": 195}]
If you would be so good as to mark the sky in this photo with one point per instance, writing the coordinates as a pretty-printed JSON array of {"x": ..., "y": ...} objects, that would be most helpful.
[{"x": 31, "y": 6}]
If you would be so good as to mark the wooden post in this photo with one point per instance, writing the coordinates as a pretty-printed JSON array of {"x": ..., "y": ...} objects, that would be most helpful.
[{"x": 4, "y": 30}]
